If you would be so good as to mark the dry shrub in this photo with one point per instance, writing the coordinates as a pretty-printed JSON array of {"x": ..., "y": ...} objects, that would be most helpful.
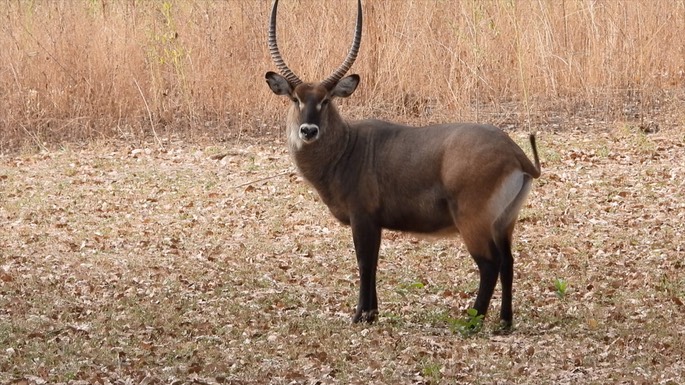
[{"x": 100, "y": 69}]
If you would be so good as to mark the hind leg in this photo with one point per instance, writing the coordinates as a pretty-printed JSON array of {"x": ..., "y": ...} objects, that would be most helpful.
[
  {"x": 503, "y": 240},
  {"x": 478, "y": 239},
  {"x": 489, "y": 267},
  {"x": 506, "y": 278}
]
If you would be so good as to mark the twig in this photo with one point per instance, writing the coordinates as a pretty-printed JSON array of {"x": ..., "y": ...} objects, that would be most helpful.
[
  {"x": 262, "y": 179},
  {"x": 149, "y": 114},
  {"x": 64, "y": 68},
  {"x": 34, "y": 137}
]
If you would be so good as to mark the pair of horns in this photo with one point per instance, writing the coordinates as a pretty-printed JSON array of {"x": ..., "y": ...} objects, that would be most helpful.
[{"x": 335, "y": 77}]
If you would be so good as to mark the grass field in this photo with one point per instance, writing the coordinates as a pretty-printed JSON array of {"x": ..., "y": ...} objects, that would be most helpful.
[
  {"x": 217, "y": 264},
  {"x": 153, "y": 229}
]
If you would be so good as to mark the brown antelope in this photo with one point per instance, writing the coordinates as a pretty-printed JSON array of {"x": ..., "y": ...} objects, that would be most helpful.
[{"x": 470, "y": 179}]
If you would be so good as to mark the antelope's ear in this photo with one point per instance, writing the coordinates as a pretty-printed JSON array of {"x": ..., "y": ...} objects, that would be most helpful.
[
  {"x": 346, "y": 86},
  {"x": 278, "y": 84}
]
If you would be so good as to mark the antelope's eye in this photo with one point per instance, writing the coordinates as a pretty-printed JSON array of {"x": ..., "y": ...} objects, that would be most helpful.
[
  {"x": 294, "y": 99},
  {"x": 324, "y": 102}
]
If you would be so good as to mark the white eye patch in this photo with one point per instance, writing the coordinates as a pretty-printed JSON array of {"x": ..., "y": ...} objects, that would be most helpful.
[
  {"x": 321, "y": 104},
  {"x": 318, "y": 106}
]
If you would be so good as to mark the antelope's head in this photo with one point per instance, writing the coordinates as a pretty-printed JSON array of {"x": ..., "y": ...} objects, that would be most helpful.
[{"x": 312, "y": 112}]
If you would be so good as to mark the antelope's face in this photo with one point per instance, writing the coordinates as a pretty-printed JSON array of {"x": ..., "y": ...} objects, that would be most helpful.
[
  {"x": 311, "y": 110},
  {"x": 312, "y": 115}
]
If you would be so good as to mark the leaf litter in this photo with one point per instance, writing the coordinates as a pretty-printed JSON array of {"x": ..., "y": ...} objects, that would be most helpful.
[{"x": 218, "y": 264}]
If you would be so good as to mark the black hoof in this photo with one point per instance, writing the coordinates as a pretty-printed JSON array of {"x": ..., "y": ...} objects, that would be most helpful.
[
  {"x": 369, "y": 316},
  {"x": 504, "y": 328}
]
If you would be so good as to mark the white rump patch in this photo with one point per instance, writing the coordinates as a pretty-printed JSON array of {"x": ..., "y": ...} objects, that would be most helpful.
[{"x": 500, "y": 205}]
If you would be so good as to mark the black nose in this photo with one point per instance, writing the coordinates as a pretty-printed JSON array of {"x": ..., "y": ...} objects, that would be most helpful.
[{"x": 309, "y": 131}]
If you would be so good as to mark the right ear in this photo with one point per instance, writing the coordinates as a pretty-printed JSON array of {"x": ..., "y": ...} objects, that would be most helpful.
[
  {"x": 278, "y": 84},
  {"x": 346, "y": 86}
]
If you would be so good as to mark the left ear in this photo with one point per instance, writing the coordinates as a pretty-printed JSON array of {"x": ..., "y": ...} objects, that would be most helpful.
[
  {"x": 278, "y": 84},
  {"x": 346, "y": 86}
]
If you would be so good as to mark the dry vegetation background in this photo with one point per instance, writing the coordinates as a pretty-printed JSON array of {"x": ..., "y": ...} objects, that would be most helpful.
[
  {"x": 130, "y": 69},
  {"x": 154, "y": 231}
]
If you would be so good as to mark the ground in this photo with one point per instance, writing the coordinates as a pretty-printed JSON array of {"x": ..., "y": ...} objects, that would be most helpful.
[{"x": 198, "y": 263}]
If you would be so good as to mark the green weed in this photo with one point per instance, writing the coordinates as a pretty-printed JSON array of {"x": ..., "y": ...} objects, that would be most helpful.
[{"x": 560, "y": 287}]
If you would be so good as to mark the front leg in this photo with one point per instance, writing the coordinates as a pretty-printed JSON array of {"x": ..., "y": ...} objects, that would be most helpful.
[{"x": 367, "y": 241}]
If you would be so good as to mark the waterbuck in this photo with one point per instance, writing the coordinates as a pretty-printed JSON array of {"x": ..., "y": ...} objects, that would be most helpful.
[{"x": 470, "y": 179}]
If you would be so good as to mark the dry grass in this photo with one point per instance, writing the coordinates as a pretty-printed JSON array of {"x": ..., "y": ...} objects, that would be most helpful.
[
  {"x": 98, "y": 69},
  {"x": 187, "y": 265}
]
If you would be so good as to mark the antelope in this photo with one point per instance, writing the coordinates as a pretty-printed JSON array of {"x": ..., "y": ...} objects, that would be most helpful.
[{"x": 465, "y": 178}]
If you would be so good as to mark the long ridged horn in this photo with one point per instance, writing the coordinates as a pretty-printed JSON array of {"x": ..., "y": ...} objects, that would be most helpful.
[
  {"x": 332, "y": 80},
  {"x": 276, "y": 54}
]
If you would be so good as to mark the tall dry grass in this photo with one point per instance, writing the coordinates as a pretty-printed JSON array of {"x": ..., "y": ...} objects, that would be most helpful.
[{"x": 99, "y": 69}]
